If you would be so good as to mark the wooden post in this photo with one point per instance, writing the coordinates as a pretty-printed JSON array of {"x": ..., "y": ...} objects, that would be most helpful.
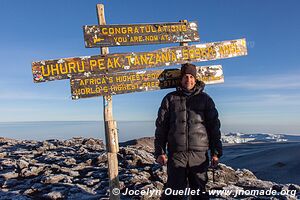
[{"x": 111, "y": 135}]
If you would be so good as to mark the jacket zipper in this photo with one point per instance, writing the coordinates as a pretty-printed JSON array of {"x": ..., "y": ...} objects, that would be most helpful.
[{"x": 187, "y": 126}]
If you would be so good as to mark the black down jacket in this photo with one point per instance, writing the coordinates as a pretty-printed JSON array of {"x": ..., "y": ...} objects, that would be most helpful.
[{"x": 188, "y": 122}]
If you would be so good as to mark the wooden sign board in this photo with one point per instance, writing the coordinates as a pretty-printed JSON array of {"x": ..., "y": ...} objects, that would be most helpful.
[
  {"x": 128, "y": 82},
  {"x": 100, "y": 64},
  {"x": 137, "y": 34}
]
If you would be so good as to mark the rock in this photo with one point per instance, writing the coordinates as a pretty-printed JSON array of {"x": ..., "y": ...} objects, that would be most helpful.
[
  {"x": 69, "y": 161},
  {"x": 3, "y": 154},
  {"x": 9, "y": 175},
  {"x": 146, "y": 143},
  {"x": 53, "y": 179},
  {"x": 37, "y": 187},
  {"x": 53, "y": 195},
  {"x": 29, "y": 191},
  {"x": 8, "y": 164},
  {"x": 142, "y": 177},
  {"x": 11, "y": 195},
  {"x": 90, "y": 181},
  {"x": 22, "y": 164},
  {"x": 93, "y": 144},
  {"x": 102, "y": 158},
  {"x": 32, "y": 171},
  {"x": 158, "y": 185},
  {"x": 138, "y": 158},
  {"x": 77, "y": 169},
  {"x": 159, "y": 173},
  {"x": 254, "y": 183},
  {"x": 10, "y": 183},
  {"x": 69, "y": 172},
  {"x": 294, "y": 187}
]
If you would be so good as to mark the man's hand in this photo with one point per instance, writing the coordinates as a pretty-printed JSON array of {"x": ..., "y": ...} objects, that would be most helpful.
[
  {"x": 214, "y": 161},
  {"x": 162, "y": 159}
]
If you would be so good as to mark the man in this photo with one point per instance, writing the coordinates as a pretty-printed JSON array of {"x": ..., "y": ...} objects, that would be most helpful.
[{"x": 188, "y": 125}]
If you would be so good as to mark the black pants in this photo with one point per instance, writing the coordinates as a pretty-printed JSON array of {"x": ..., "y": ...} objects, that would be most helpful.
[{"x": 186, "y": 169}]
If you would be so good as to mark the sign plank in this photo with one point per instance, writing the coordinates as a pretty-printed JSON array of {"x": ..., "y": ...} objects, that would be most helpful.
[
  {"x": 137, "y": 34},
  {"x": 128, "y": 82},
  {"x": 100, "y": 64}
]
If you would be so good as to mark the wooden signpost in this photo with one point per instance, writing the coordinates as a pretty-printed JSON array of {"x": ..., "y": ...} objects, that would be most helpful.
[
  {"x": 110, "y": 125},
  {"x": 109, "y": 74},
  {"x": 137, "y": 34},
  {"x": 64, "y": 68},
  {"x": 128, "y": 82}
]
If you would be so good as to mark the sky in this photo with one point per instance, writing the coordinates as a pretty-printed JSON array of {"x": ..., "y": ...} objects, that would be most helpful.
[{"x": 260, "y": 93}]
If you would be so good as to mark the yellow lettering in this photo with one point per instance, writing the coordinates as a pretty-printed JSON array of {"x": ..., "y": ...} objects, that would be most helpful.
[
  {"x": 92, "y": 81},
  {"x": 118, "y": 79},
  {"x": 157, "y": 58},
  {"x": 104, "y": 31},
  {"x": 110, "y": 79},
  {"x": 159, "y": 29},
  {"x": 109, "y": 63},
  {"x": 101, "y": 64},
  {"x": 81, "y": 82},
  {"x": 80, "y": 67},
  {"x": 72, "y": 67},
  {"x": 142, "y": 29},
  {"x": 93, "y": 63},
  {"x": 129, "y": 30},
  {"x": 173, "y": 28},
  {"x": 117, "y": 30},
  {"x": 111, "y": 31},
  {"x": 144, "y": 60},
  {"x": 165, "y": 57},
  {"x": 116, "y": 62},
  {"x": 97, "y": 81},
  {"x": 105, "y": 88},
  {"x": 124, "y": 30},
  {"x": 148, "y": 29},
  {"x": 185, "y": 54},
  {"x": 191, "y": 53},
  {"x": 54, "y": 69},
  {"x": 173, "y": 56},
  {"x": 203, "y": 53},
  {"x": 136, "y": 61},
  {"x": 153, "y": 29},
  {"x": 128, "y": 59},
  {"x": 197, "y": 53},
  {"x": 43, "y": 70},
  {"x": 136, "y": 30},
  {"x": 150, "y": 61}
]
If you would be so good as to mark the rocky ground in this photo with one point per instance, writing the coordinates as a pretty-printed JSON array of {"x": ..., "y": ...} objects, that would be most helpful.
[{"x": 77, "y": 169}]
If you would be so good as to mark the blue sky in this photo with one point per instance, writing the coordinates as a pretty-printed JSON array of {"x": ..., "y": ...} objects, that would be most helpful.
[{"x": 260, "y": 94}]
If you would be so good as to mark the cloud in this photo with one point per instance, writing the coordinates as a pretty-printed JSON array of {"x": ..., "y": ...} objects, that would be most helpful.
[
  {"x": 262, "y": 100},
  {"x": 264, "y": 82}
]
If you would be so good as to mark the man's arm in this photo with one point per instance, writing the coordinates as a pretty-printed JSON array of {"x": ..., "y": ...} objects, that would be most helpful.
[
  {"x": 213, "y": 128},
  {"x": 162, "y": 128}
]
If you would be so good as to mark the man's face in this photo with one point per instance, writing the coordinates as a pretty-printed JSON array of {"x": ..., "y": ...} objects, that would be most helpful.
[{"x": 188, "y": 81}]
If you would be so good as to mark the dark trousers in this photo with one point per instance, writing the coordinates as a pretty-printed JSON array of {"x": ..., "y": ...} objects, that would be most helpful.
[{"x": 186, "y": 169}]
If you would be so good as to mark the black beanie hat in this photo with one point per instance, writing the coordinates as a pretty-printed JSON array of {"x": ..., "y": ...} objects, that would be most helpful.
[{"x": 188, "y": 68}]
